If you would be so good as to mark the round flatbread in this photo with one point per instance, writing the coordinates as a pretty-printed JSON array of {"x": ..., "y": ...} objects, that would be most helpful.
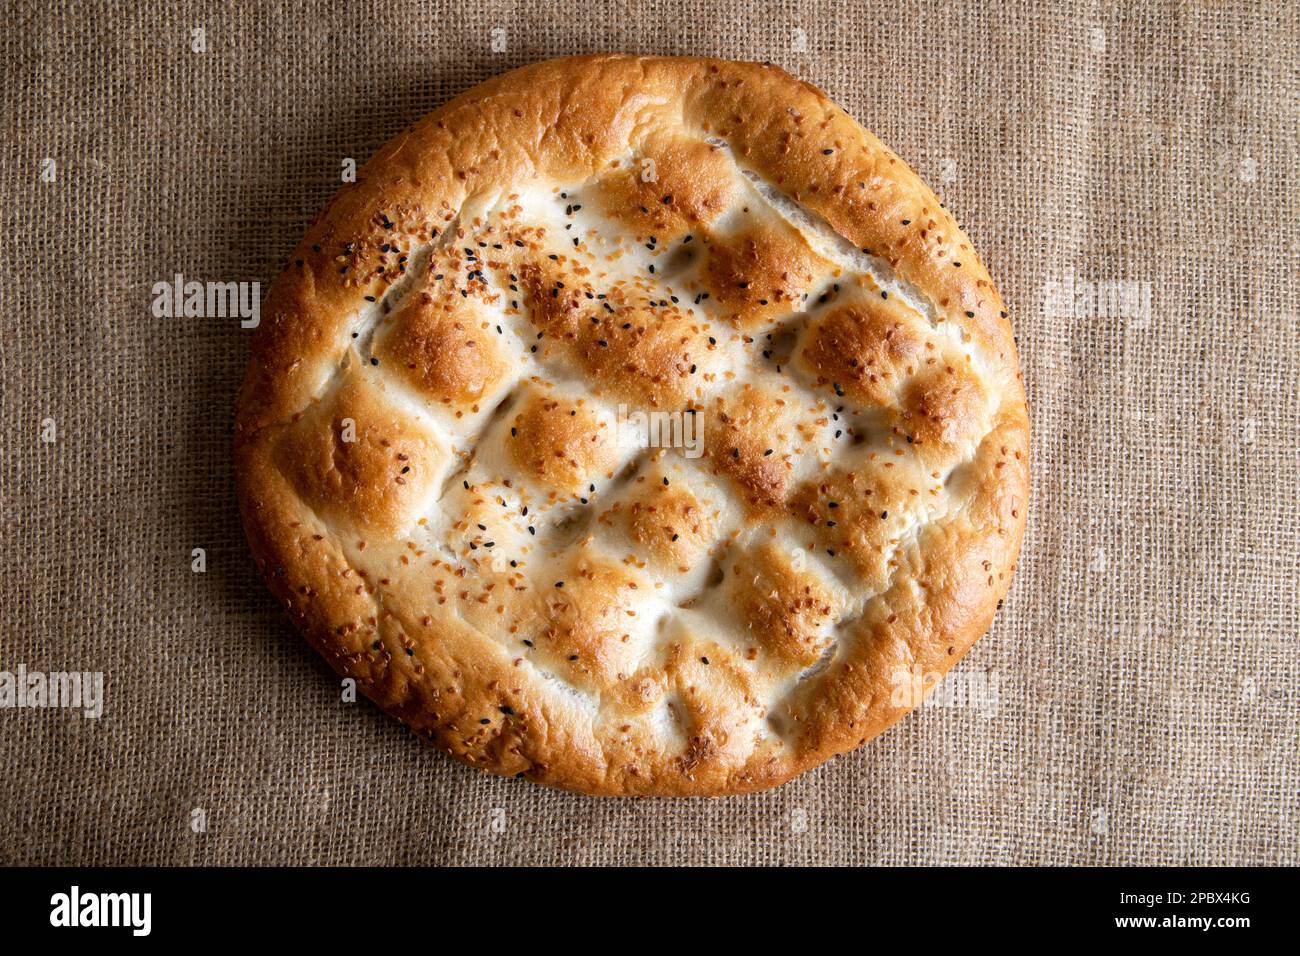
[{"x": 637, "y": 425}]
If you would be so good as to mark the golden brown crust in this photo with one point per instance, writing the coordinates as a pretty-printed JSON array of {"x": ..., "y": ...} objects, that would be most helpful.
[{"x": 438, "y": 479}]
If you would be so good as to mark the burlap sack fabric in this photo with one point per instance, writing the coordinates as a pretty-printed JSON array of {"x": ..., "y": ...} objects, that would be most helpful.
[{"x": 1128, "y": 174}]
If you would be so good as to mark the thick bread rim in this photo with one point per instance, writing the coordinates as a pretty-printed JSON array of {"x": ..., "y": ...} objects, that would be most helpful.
[{"x": 562, "y": 120}]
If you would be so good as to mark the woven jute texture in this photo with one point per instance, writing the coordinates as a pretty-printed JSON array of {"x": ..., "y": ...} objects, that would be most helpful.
[{"x": 1128, "y": 173}]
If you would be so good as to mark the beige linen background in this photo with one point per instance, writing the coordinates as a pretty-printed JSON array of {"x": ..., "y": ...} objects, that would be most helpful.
[{"x": 1129, "y": 175}]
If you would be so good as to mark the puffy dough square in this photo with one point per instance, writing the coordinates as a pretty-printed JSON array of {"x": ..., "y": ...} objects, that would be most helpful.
[
  {"x": 863, "y": 514},
  {"x": 597, "y": 620},
  {"x": 447, "y": 348},
  {"x": 628, "y": 333},
  {"x": 363, "y": 462},
  {"x": 551, "y": 446},
  {"x": 784, "y": 610},
  {"x": 670, "y": 186},
  {"x": 668, "y": 520},
  {"x": 866, "y": 348},
  {"x": 716, "y": 703},
  {"x": 761, "y": 436},
  {"x": 763, "y": 270}
]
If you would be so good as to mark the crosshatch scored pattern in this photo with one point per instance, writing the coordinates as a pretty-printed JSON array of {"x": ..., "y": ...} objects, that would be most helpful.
[{"x": 439, "y": 482}]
